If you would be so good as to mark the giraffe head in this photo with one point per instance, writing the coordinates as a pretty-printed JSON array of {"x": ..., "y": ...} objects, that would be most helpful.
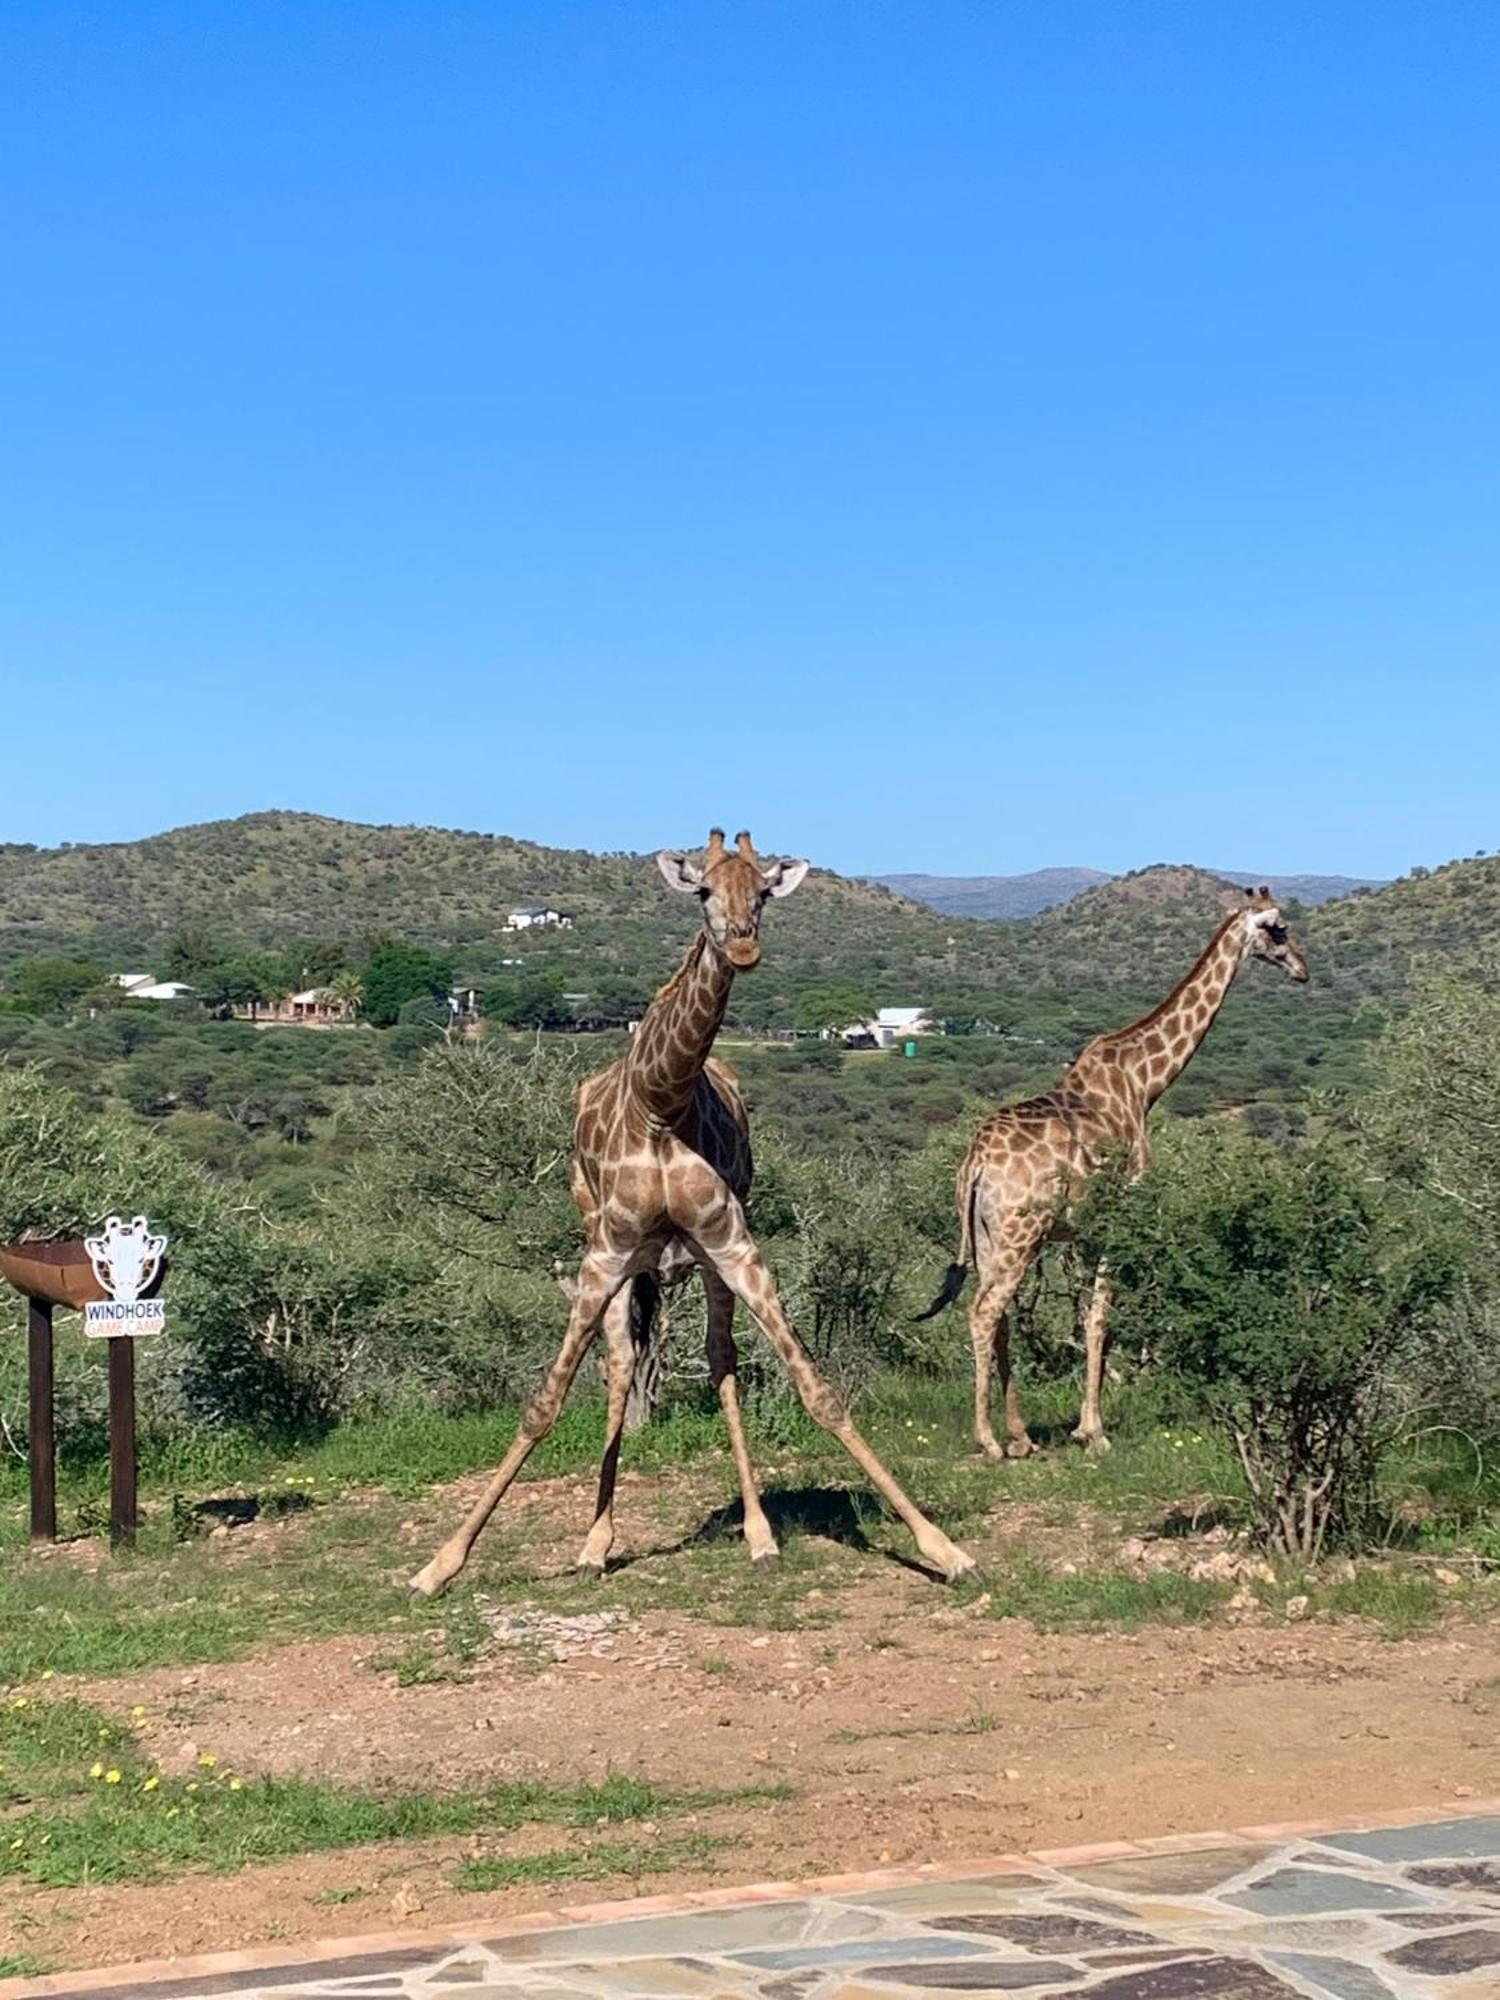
[
  {"x": 1267, "y": 937},
  {"x": 733, "y": 888}
]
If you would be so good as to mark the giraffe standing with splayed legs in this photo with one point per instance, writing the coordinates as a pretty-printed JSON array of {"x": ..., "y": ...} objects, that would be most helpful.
[
  {"x": 1029, "y": 1159},
  {"x": 661, "y": 1170}
]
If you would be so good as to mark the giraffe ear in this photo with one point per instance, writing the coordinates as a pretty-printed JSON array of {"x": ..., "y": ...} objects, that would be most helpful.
[
  {"x": 679, "y": 873},
  {"x": 784, "y": 876}
]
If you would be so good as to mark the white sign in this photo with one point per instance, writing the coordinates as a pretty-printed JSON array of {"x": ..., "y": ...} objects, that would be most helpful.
[{"x": 126, "y": 1257}]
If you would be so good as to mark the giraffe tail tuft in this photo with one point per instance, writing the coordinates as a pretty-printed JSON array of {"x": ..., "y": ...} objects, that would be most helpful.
[
  {"x": 956, "y": 1275},
  {"x": 954, "y": 1280}
]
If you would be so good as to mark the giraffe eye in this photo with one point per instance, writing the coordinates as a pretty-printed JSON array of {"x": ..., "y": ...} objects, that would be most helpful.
[{"x": 1276, "y": 933}]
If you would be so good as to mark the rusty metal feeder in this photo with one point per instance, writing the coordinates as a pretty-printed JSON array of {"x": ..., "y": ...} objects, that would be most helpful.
[{"x": 49, "y": 1275}]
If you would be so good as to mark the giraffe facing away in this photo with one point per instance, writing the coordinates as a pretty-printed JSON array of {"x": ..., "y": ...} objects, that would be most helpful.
[
  {"x": 1028, "y": 1160},
  {"x": 661, "y": 1170}
]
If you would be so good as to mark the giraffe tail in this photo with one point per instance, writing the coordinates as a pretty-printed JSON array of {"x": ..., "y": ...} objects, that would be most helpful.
[
  {"x": 956, "y": 1275},
  {"x": 954, "y": 1279}
]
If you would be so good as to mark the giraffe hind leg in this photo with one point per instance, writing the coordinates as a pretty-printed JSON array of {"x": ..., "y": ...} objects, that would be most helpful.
[
  {"x": 723, "y": 1368},
  {"x": 619, "y": 1361},
  {"x": 990, "y": 1338}
]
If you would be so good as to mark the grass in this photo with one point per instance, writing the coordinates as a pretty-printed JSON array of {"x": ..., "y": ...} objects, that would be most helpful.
[
  {"x": 341, "y": 1548},
  {"x": 1056, "y": 1601},
  {"x": 587, "y": 1864},
  {"x": 81, "y": 1803},
  {"x": 22, "y": 1965}
]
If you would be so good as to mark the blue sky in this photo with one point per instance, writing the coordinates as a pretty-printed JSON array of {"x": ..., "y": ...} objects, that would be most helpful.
[{"x": 942, "y": 436}]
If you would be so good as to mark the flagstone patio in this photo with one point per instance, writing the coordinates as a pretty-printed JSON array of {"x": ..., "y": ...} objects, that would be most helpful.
[{"x": 1406, "y": 1908}]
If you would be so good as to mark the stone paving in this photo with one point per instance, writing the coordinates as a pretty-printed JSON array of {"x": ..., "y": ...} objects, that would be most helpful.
[{"x": 1402, "y": 1909}]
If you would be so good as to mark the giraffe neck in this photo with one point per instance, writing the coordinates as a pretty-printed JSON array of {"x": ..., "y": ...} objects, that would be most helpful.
[
  {"x": 1161, "y": 1044},
  {"x": 677, "y": 1033}
]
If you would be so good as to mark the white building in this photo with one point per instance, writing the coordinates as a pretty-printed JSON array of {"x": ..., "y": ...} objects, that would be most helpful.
[
  {"x": 538, "y": 917},
  {"x": 888, "y": 1027},
  {"x": 146, "y": 986}
]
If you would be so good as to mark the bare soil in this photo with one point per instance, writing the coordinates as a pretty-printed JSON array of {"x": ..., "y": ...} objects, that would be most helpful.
[{"x": 908, "y": 1727}]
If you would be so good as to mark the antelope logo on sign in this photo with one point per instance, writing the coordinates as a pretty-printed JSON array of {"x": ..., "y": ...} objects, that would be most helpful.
[{"x": 126, "y": 1257}]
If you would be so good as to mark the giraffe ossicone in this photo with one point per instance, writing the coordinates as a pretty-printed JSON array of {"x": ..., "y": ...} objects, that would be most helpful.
[
  {"x": 1028, "y": 1160},
  {"x": 661, "y": 1171}
]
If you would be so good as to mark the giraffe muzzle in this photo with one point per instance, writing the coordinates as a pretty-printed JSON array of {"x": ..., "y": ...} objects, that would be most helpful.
[{"x": 743, "y": 953}]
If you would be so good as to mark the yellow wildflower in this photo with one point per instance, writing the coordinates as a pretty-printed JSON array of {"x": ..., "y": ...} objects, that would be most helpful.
[
  {"x": 151, "y": 1783},
  {"x": 96, "y": 1770},
  {"x": 207, "y": 1761},
  {"x": 47, "y": 1673},
  {"x": 112, "y": 1777},
  {"x": 236, "y": 1784},
  {"x": 193, "y": 1786}
]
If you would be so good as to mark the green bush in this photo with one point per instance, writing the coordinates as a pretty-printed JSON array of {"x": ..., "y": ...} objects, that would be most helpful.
[{"x": 1289, "y": 1289}]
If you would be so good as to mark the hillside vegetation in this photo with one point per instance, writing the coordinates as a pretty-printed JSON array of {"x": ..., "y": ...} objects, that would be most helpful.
[
  {"x": 1005, "y": 897},
  {"x": 1037, "y": 989}
]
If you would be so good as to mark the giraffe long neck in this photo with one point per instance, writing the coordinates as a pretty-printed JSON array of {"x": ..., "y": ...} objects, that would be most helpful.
[
  {"x": 1162, "y": 1043},
  {"x": 674, "y": 1039}
]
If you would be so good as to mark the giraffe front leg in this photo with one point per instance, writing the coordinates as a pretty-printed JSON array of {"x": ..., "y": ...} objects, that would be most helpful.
[
  {"x": 1090, "y": 1431},
  {"x": 619, "y": 1373},
  {"x": 723, "y": 1368},
  {"x": 728, "y": 1243},
  {"x": 602, "y": 1274}
]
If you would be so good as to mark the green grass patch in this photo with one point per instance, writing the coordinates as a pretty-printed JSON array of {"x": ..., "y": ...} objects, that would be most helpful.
[
  {"x": 1055, "y": 1601},
  {"x": 587, "y": 1864},
  {"x": 1399, "y": 1600},
  {"x": 82, "y": 1804},
  {"x": 22, "y": 1965}
]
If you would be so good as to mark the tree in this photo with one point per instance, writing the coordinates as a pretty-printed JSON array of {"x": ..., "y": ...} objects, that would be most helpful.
[
  {"x": 53, "y": 985},
  {"x": 833, "y": 1007},
  {"x": 397, "y": 973},
  {"x": 535, "y": 1001},
  {"x": 193, "y": 951},
  {"x": 252, "y": 980}
]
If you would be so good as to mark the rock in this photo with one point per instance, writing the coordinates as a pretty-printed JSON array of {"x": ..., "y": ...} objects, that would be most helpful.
[
  {"x": 1297, "y": 1608},
  {"x": 406, "y": 1902}
]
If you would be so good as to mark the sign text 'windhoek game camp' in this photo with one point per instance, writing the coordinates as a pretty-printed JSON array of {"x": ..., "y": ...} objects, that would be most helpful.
[{"x": 126, "y": 1257}]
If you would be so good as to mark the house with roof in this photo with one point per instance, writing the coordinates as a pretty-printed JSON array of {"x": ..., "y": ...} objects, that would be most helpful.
[
  {"x": 146, "y": 986},
  {"x": 538, "y": 917},
  {"x": 887, "y": 1027}
]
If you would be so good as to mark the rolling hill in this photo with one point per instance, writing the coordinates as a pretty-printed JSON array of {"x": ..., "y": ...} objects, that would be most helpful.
[{"x": 273, "y": 878}]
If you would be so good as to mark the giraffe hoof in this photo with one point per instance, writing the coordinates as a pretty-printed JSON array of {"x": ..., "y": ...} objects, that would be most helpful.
[
  {"x": 431, "y": 1581},
  {"x": 761, "y": 1558},
  {"x": 991, "y": 1450},
  {"x": 1020, "y": 1448},
  {"x": 1095, "y": 1443},
  {"x": 591, "y": 1566}
]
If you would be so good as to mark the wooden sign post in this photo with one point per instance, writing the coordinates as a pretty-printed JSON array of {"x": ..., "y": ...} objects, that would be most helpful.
[
  {"x": 41, "y": 1431},
  {"x": 113, "y": 1279}
]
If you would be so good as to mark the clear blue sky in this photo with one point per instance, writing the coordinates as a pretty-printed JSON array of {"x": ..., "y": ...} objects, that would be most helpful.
[{"x": 950, "y": 436}]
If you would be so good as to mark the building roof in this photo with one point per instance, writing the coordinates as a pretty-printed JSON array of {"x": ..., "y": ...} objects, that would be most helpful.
[
  {"x": 128, "y": 979},
  {"x": 164, "y": 989},
  {"x": 901, "y": 1017}
]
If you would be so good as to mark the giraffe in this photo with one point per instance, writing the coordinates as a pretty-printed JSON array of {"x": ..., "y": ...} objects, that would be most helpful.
[
  {"x": 1028, "y": 1160},
  {"x": 661, "y": 1169}
]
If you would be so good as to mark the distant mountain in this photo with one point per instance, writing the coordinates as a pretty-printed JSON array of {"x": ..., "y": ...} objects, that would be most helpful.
[
  {"x": 995, "y": 895},
  {"x": 1010, "y": 896}
]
